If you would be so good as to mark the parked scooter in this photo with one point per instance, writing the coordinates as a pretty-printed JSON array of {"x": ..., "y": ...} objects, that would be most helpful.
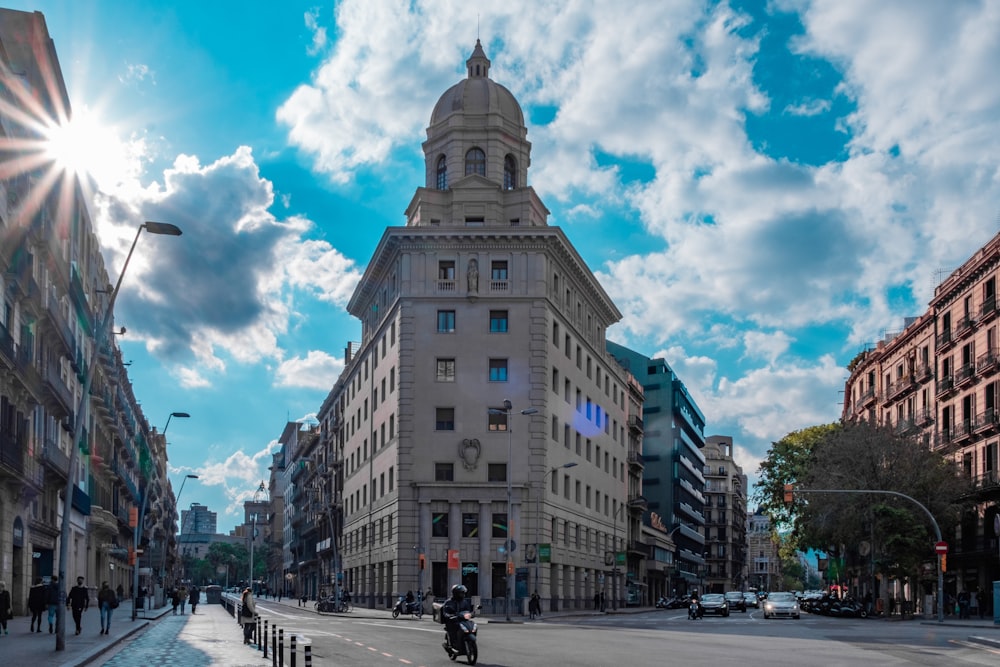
[
  {"x": 467, "y": 643},
  {"x": 662, "y": 603},
  {"x": 414, "y": 608}
]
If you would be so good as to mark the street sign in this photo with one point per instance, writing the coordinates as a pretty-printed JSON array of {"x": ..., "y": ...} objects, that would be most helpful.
[
  {"x": 545, "y": 553},
  {"x": 941, "y": 547}
]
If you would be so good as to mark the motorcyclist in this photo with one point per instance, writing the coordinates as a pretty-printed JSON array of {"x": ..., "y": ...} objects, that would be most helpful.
[{"x": 451, "y": 612}]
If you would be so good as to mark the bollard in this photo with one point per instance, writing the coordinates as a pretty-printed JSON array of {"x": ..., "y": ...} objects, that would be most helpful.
[
  {"x": 281, "y": 645},
  {"x": 264, "y": 643},
  {"x": 308, "y": 649},
  {"x": 260, "y": 644},
  {"x": 274, "y": 646},
  {"x": 291, "y": 648}
]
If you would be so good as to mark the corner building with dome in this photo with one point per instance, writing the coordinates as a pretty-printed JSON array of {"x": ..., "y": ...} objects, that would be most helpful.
[{"x": 483, "y": 344}]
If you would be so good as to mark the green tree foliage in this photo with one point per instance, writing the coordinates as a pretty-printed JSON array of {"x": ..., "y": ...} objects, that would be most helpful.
[
  {"x": 788, "y": 462},
  {"x": 861, "y": 456}
]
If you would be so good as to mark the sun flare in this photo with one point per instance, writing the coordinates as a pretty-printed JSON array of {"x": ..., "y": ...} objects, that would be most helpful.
[{"x": 85, "y": 146}]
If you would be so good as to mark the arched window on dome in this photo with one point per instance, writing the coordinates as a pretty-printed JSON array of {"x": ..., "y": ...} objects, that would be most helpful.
[
  {"x": 509, "y": 173},
  {"x": 475, "y": 162},
  {"x": 442, "y": 174}
]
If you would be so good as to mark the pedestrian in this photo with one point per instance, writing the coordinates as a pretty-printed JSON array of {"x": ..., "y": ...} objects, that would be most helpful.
[
  {"x": 248, "y": 613},
  {"x": 597, "y": 600},
  {"x": 107, "y": 602},
  {"x": 36, "y": 604},
  {"x": 963, "y": 604},
  {"x": 174, "y": 601},
  {"x": 194, "y": 596},
  {"x": 6, "y": 613},
  {"x": 534, "y": 606},
  {"x": 52, "y": 594},
  {"x": 974, "y": 603},
  {"x": 79, "y": 601},
  {"x": 182, "y": 597}
]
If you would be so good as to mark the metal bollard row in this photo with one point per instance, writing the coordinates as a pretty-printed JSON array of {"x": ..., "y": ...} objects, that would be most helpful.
[
  {"x": 308, "y": 649},
  {"x": 291, "y": 648}
]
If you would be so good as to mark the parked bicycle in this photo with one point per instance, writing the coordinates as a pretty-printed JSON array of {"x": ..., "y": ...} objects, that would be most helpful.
[{"x": 332, "y": 605}]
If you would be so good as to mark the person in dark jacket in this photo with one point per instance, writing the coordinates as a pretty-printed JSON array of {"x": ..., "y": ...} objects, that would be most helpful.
[
  {"x": 107, "y": 602},
  {"x": 194, "y": 595},
  {"x": 6, "y": 612},
  {"x": 36, "y": 604},
  {"x": 52, "y": 595},
  {"x": 78, "y": 600}
]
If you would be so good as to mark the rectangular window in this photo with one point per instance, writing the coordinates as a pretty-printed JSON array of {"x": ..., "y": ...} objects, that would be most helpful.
[
  {"x": 446, "y": 321},
  {"x": 497, "y": 419},
  {"x": 470, "y": 524},
  {"x": 498, "y": 270},
  {"x": 444, "y": 419},
  {"x": 498, "y": 321},
  {"x": 498, "y": 370},
  {"x": 496, "y": 472},
  {"x": 499, "y": 524},
  {"x": 439, "y": 524},
  {"x": 445, "y": 370},
  {"x": 446, "y": 270},
  {"x": 444, "y": 472}
]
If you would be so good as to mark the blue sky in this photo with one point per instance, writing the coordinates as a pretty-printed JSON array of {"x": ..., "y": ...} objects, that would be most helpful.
[{"x": 763, "y": 188}]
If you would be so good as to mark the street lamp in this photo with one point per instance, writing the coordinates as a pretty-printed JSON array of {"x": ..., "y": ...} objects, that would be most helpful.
[
  {"x": 163, "y": 550},
  {"x": 507, "y": 409},
  {"x": 538, "y": 514},
  {"x": 177, "y": 504},
  {"x": 253, "y": 528},
  {"x": 100, "y": 336}
]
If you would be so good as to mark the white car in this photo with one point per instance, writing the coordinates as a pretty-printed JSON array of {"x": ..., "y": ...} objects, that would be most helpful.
[{"x": 781, "y": 604}]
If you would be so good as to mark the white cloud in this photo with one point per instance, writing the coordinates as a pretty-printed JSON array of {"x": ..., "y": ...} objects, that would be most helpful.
[
  {"x": 318, "y": 370},
  {"x": 808, "y": 108},
  {"x": 136, "y": 73},
  {"x": 319, "y": 38}
]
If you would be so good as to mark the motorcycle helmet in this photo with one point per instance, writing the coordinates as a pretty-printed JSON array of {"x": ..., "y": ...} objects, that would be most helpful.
[{"x": 459, "y": 591}]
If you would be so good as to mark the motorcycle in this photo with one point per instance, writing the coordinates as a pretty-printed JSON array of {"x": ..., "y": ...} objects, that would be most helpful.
[
  {"x": 414, "y": 608},
  {"x": 662, "y": 603},
  {"x": 467, "y": 644},
  {"x": 695, "y": 611}
]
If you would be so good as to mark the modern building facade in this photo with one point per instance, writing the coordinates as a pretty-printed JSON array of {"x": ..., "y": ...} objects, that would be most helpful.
[
  {"x": 938, "y": 381},
  {"x": 481, "y": 403},
  {"x": 52, "y": 297},
  {"x": 673, "y": 472},
  {"x": 725, "y": 517}
]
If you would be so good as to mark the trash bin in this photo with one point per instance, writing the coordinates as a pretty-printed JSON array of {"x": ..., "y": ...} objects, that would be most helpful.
[{"x": 213, "y": 594}]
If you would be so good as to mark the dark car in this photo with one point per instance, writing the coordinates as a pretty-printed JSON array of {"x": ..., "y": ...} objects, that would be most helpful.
[
  {"x": 715, "y": 603},
  {"x": 736, "y": 601}
]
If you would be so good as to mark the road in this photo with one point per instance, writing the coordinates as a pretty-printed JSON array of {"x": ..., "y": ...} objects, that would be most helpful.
[
  {"x": 649, "y": 638},
  {"x": 640, "y": 639}
]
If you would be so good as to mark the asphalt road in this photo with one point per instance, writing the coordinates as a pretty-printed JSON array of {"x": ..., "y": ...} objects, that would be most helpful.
[{"x": 652, "y": 638}]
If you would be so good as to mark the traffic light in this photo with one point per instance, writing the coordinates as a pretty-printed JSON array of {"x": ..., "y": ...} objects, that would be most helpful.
[
  {"x": 510, "y": 567},
  {"x": 131, "y": 556},
  {"x": 423, "y": 561},
  {"x": 944, "y": 562},
  {"x": 789, "y": 494}
]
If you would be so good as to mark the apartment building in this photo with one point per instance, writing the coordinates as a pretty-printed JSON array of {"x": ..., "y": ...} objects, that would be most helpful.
[
  {"x": 725, "y": 517},
  {"x": 52, "y": 297},
  {"x": 937, "y": 379},
  {"x": 763, "y": 558}
]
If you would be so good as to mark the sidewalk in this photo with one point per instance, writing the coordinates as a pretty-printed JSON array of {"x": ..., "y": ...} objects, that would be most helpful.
[{"x": 22, "y": 648}]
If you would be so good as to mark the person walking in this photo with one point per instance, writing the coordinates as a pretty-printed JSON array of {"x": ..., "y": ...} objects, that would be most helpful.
[
  {"x": 248, "y": 614},
  {"x": 973, "y": 603},
  {"x": 107, "y": 602},
  {"x": 52, "y": 594},
  {"x": 78, "y": 600},
  {"x": 182, "y": 597},
  {"x": 6, "y": 612},
  {"x": 36, "y": 604},
  {"x": 194, "y": 596},
  {"x": 534, "y": 606}
]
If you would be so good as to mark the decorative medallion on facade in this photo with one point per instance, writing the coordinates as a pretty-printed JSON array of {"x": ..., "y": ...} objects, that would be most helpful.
[{"x": 469, "y": 451}]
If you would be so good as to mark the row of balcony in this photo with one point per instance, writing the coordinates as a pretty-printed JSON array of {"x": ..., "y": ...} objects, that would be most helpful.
[
  {"x": 967, "y": 322},
  {"x": 451, "y": 286}
]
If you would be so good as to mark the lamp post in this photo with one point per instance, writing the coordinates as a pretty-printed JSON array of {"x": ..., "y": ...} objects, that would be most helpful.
[
  {"x": 177, "y": 504},
  {"x": 101, "y": 333},
  {"x": 163, "y": 550},
  {"x": 538, "y": 514},
  {"x": 253, "y": 529},
  {"x": 507, "y": 410}
]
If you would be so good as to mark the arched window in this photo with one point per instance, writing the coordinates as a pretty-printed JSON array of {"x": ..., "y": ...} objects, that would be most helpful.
[
  {"x": 509, "y": 173},
  {"x": 475, "y": 162},
  {"x": 442, "y": 174}
]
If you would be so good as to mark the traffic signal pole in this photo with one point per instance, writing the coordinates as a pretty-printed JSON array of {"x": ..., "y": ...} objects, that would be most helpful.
[{"x": 788, "y": 491}]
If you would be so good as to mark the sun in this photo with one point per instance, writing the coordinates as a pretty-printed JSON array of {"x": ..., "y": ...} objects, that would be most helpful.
[{"x": 85, "y": 146}]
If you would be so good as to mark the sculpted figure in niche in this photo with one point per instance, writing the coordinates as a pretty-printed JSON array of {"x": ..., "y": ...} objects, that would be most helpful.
[{"x": 472, "y": 276}]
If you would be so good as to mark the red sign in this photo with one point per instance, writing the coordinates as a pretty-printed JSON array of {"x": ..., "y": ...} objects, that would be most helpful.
[
  {"x": 941, "y": 547},
  {"x": 453, "y": 563}
]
